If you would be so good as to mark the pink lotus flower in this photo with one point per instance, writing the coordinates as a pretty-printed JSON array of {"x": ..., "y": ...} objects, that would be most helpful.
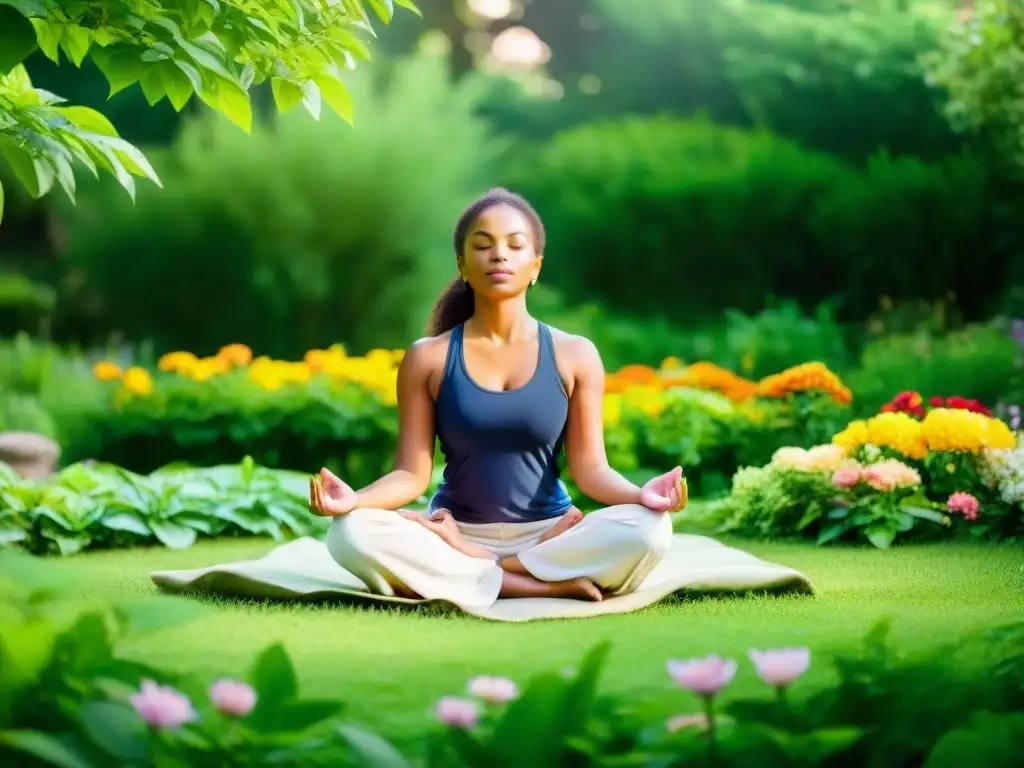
[
  {"x": 233, "y": 697},
  {"x": 705, "y": 677},
  {"x": 679, "y": 722},
  {"x": 496, "y": 690},
  {"x": 846, "y": 477},
  {"x": 458, "y": 713},
  {"x": 964, "y": 504},
  {"x": 782, "y": 666},
  {"x": 162, "y": 706}
]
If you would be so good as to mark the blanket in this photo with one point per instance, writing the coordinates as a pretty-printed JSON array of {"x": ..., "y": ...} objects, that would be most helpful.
[{"x": 302, "y": 570}]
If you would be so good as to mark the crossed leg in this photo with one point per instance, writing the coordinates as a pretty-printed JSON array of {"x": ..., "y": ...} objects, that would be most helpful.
[{"x": 611, "y": 550}]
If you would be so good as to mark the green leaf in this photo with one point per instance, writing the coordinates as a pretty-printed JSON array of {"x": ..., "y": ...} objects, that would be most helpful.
[
  {"x": 409, "y": 5},
  {"x": 22, "y": 164},
  {"x": 371, "y": 749},
  {"x": 117, "y": 729},
  {"x": 286, "y": 93},
  {"x": 1, "y": 203},
  {"x": 531, "y": 731},
  {"x": 926, "y": 514},
  {"x": 337, "y": 97},
  {"x": 385, "y": 9},
  {"x": 301, "y": 716},
  {"x": 273, "y": 677},
  {"x": 151, "y": 614},
  {"x": 989, "y": 739},
  {"x": 17, "y": 38},
  {"x": 176, "y": 84},
  {"x": 76, "y": 41},
  {"x": 311, "y": 99},
  {"x": 126, "y": 521},
  {"x": 119, "y": 63},
  {"x": 881, "y": 535},
  {"x": 48, "y": 35},
  {"x": 89, "y": 120},
  {"x": 832, "y": 531},
  {"x": 44, "y": 747},
  {"x": 583, "y": 691},
  {"x": 152, "y": 85},
  {"x": 172, "y": 535},
  {"x": 33, "y": 576},
  {"x": 233, "y": 102}
]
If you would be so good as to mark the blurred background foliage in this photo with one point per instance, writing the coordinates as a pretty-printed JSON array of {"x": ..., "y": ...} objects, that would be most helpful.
[{"x": 753, "y": 182}]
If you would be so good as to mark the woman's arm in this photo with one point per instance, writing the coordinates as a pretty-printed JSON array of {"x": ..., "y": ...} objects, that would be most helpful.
[
  {"x": 414, "y": 460},
  {"x": 584, "y": 442}
]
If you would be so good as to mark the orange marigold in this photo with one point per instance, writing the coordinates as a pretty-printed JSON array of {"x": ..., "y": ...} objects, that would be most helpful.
[
  {"x": 806, "y": 377},
  {"x": 237, "y": 355},
  {"x": 632, "y": 376},
  {"x": 714, "y": 378}
]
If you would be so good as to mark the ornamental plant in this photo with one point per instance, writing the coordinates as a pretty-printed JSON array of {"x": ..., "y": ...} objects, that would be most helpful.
[
  {"x": 216, "y": 51},
  {"x": 913, "y": 404}
]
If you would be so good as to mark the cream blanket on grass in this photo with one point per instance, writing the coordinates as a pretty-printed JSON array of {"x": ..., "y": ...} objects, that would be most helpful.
[{"x": 302, "y": 570}]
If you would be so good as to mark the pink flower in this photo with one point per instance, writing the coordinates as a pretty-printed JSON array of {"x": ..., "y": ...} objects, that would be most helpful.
[
  {"x": 496, "y": 690},
  {"x": 846, "y": 477},
  {"x": 964, "y": 503},
  {"x": 891, "y": 474},
  {"x": 705, "y": 677},
  {"x": 456, "y": 712},
  {"x": 162, "y": 706},
  {"x": 782, "y": 666},
  {"x": 679, "y": 722},
  {"x": 233, "y": 697}
]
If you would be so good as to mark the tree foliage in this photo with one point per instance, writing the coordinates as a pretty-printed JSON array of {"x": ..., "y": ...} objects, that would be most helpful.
[
  {"x": 174, "y": 49},
  {"x": 981, "y": 65}
]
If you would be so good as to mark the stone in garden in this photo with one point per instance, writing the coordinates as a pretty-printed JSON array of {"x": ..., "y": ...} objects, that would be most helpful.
[{"x": 31, "y": 455}]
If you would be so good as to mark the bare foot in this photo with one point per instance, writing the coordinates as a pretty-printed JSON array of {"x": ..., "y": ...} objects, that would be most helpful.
[
  {"x": 579, "y": 589},
  {"x": 565, "y": 522}
]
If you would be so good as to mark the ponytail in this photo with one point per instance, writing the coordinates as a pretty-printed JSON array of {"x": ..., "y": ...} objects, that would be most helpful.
[{"x": 453, "y": 307}]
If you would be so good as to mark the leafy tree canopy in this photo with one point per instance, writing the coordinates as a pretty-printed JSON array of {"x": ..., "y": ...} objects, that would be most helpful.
[{"x": 174, "y": 49}]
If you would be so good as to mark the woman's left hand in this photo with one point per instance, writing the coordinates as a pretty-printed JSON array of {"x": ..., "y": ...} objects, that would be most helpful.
[{"x": 665, "y": 493}]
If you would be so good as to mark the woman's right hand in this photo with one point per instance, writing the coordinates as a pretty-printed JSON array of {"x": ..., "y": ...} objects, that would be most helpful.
[{"x": 330, "y": 496}]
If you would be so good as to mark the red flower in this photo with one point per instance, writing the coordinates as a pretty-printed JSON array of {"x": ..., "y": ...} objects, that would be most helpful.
[{"x": 935, "y": 402}]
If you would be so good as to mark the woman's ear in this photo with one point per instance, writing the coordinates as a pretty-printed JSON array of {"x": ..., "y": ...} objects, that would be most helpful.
[{"x": 537, "y": 264}]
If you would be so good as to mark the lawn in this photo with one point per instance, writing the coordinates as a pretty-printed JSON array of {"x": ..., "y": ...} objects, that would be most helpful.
[{"x": 392, "y": 665}]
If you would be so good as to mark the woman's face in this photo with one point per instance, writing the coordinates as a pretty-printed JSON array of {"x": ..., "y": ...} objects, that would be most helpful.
[{"x": 499, "y": 259}]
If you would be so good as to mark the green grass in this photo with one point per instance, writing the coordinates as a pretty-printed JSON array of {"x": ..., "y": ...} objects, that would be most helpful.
[{"x": 392, "y": 665}]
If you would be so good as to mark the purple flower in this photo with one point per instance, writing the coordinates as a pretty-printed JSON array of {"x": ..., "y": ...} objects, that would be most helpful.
[{"x": 162, "y": 706}]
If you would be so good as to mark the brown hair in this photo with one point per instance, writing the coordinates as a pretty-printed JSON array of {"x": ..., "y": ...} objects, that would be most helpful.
[{"x": 455, "y": 304}]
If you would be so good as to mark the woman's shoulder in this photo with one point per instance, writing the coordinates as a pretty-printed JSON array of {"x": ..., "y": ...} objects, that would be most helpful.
[
  {"x": 573, "y": 345},
  {"x": 428, "y": 352}
]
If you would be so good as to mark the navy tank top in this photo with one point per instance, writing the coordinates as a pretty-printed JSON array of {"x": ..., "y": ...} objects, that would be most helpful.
[{"x": 501, "y": 448}]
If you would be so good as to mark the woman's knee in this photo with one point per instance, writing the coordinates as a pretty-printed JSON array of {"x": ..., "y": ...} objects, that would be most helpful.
[
  {"x": 351, "y": 536},
  {"x": 648, "y": 531}
]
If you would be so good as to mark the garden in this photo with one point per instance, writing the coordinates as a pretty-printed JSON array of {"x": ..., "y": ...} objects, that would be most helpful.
[{"x": 826, "y": 335}]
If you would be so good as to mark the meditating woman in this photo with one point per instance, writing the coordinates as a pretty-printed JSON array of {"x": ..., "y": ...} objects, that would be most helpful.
[{"x": 503, "y": 393}]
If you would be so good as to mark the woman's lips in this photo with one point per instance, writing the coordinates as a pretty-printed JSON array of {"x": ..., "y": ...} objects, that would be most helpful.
[{"x": 500, "y": 275}]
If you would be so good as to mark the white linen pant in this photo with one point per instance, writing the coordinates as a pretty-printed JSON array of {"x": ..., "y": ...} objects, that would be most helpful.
[{"x": 615, "y": 547}]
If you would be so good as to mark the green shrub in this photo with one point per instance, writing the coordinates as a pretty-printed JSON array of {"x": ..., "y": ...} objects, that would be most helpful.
[
  {"x": 810, "y": 76},
  {"x": 100, "y": 506},
  {"x": 304, "y": 233},
  {"x": 679, "y": 218},
  {"x": 978, "y": 362}
]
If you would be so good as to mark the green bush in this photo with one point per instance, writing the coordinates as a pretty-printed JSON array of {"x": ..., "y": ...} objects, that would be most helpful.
[
  {"x": 672, "y": 217},
  {"x": 979, "y": 362},
  {"x": 99, "y": 506},
  {"x": 304, "y": 233},
  {"x": 810, "y": 76}
]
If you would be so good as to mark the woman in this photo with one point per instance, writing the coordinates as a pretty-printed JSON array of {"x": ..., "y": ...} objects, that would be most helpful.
[{"x": 503, "y": 393}]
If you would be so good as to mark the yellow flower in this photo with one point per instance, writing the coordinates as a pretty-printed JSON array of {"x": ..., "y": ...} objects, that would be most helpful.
[
  {"x": 646, "y": 399},
  {"x": 182, "y": 362},
  {"x": 954, "y": 429},
  {"x": 235, "y": 355},
  {"x": 671, "y": 363},
  {"x": 612, "y": 409},
  {"x": 951, "y": 467},
  {"x": 106, "y": 371},
  {"x": 138, "y": 381},
  {"x": 898, "y": 431},
  {"x": 821, "y": 458},
  {"x": 853, "y": 437},
  {"x": 206, "y": 368}
]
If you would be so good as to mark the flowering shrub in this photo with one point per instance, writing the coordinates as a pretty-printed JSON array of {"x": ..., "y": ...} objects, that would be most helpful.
[
  {"x": 886, "y": 477},
  {"x": 807, "y": 377},
  {"x": 913, "y": 404}
]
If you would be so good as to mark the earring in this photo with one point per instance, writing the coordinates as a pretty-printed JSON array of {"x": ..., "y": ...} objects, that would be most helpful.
[{"x": 534, "y": 281}]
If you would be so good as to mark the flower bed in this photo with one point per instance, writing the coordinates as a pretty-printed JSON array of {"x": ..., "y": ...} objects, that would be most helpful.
[
  {"x": 338, "y": 410},
  {"x": 70, "y": 698},
  {"x": 914, "y": 468},
  {"x": 93, "y": 506}
]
